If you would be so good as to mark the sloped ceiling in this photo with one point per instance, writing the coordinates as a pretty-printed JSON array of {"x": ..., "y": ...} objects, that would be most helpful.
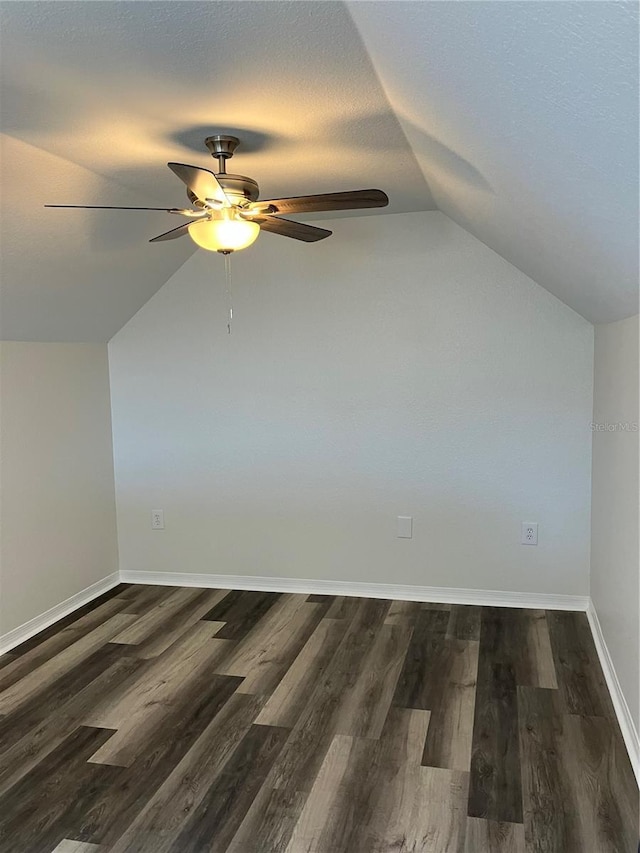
[
  {"x": 518, "y": 120},
  {"x": 539, "y": 102}
]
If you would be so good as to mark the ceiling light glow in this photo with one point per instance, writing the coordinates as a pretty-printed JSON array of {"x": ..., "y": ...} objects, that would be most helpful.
[{"x": 224, "y": 232}]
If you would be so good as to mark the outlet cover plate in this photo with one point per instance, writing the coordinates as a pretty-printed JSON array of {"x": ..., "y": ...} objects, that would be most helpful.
[{"x": 529, "y": 533}]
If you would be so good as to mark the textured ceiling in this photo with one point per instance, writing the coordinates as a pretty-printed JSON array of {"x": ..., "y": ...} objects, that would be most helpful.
[
  {"x": 517, "y": 119},
  {"x": 524, "y": 119}
]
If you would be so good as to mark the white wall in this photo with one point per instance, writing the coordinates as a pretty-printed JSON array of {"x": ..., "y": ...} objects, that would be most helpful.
[
  {"x": 56, "y": 467},
  {"x": 614, "y": 544},
  {"x": 400, "y": 368}
]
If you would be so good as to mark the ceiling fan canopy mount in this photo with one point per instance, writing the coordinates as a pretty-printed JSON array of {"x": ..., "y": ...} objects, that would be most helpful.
[
  {"x": 222, "y": 147},
  {"x": 227, "y": 214}
]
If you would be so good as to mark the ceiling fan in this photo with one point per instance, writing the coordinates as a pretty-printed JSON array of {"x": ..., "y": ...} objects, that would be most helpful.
[{"x": 227, "y": 216}]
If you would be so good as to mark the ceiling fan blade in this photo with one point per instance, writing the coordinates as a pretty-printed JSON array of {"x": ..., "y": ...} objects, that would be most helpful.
[
  {"x": 196, "y": 214},
  {"x": 307, "y": 233},
  {"x": 171, "y": 235},
  {"x": 202, "y": 183},
  {"x": 351, "y": 200}
]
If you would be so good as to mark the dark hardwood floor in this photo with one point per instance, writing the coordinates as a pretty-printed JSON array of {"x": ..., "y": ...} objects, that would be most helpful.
[{"x": 168, "y": 720}]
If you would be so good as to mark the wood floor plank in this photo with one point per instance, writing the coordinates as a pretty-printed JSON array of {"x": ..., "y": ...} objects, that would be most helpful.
[
  {"x": 371, "y": 795},
  {"x": 452, "y": 705},
  {"x": 57, "y": 712},
  {"x": 321, "y": 807},
  {"x": 414, "y": 690},
  {"x": 321, "y": 599},
  {"x": 55, "y": 642},
  {"x": 580, "y": 678},
  {"x": 403, "y": 613},
  {"x": 119, "y": 592},
  {"x": 68, "y": 846},
  {"x": 441, "y": 826},
  {"x": 343, "y": 607},
  {"x": 165, "y": 817},
  {"x": 508, "y": 658},
  {"x": 52, "y": 669},
  {"x": 400, "y": 820},
  {"x": 495, "y": 787},
  {"x": 326, "y": 602},
  {"x": 142, "y": 597},
  {"x": 115, "y": 708},
  {"x": 404, "y": 734},
  {"x": 539, "y": 646},
  {"x": 162, "y": 641},
  {"x": 53, "y": 784},
  {"x": 266, "y": 652},
  {"x": 148, "y": 699},
  {"x": 158, "y": 616},
  {"x": 214, "y": 823},
  {"x": 290, "y": 697},
  {"x": 324, "y": 704},
  {"x": 365, "y": 703},
  {"x": 176, "y": 625},
  {"x": 578, "y": 786},
  {"x": 492, "y": 837},
  {"x": 550, "y": 808},
  {"x": 606, "y": 794},
  {"x": 274, "y": 813},
  {"x": 241, "y": 610},
  {"x": 360, "y": 794},
  {"x": 506, "y": 638},
  {"x": 121, "y": 794},
  {"x": 464, "y": 622},
  {"x": 52, "y": 698}
]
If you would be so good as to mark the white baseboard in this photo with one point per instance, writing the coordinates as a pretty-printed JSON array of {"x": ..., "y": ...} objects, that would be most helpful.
[
  {"x": 437, "y": 594},
  {"x": 24, "y": 632},
  {"x": 625, "y": 720}
]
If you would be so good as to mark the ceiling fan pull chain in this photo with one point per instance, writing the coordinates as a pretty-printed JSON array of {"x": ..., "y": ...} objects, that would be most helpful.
[{"x": 227, "y": 276}]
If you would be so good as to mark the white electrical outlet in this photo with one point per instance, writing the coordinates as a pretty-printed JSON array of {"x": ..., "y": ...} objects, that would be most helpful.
[
  {"x": 157, "y": 519},
  {"x": 529, "y": 533},
  {"x": 405, "y": 527}
]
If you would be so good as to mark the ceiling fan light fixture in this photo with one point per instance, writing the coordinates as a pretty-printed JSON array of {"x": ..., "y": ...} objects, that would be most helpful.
[
  {"x": 228, "y": 211},
  {"x": 224, "y": 232}
]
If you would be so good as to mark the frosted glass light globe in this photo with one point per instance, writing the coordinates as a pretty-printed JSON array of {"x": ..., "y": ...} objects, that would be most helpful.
[{"x": 224, "y": 234}]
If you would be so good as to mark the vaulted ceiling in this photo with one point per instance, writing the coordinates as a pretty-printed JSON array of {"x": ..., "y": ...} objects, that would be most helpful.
[{"x": 518, "y": 120}]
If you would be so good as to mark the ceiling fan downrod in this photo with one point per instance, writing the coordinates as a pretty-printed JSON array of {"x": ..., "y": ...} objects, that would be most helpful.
[{"x": 221, "y": 148}]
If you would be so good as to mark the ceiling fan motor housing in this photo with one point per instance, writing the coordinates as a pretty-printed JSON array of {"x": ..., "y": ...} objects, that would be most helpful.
[{"x": 239, "y": 189}]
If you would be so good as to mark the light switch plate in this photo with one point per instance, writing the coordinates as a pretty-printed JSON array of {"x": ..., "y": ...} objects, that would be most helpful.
[{"x": 405, "y": 527}]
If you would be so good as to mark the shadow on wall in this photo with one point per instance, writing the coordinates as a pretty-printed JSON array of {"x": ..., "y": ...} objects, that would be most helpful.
[{"x": 443, "y": 163}]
